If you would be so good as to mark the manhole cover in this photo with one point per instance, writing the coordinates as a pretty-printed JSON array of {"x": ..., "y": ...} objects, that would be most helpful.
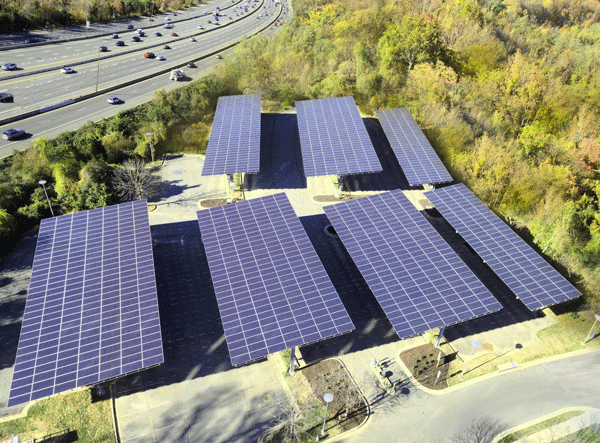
[
  {"x": 266, "y": 398},
  {"x": 178, "y": 172}
]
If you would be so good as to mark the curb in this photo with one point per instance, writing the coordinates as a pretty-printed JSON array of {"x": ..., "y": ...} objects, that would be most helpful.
[{"x": 136, "y": 80}]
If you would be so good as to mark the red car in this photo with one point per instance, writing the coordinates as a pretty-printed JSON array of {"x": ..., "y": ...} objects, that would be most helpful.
[
  {"x": 149, "y": 55},
  {"x": 166, "y": 47},
  {"x": 174, "y": 34}
]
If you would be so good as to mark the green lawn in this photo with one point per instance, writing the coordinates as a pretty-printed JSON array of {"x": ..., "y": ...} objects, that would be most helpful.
[
  {"x": 74, "y": 413},
  {"x": 510, "y": 438},
  {"x": 591, "y": 434}
]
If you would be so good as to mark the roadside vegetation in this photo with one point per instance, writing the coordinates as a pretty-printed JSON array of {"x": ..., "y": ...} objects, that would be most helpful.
[
  {"x": 515, "y": 436},
  {"x": 508, "y": 92},
  {"x": 64, "y": 418}
]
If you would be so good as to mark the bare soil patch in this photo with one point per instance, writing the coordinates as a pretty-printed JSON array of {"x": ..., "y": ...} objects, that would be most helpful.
[
  {"x": 333, "y": 198},
  {"x": 214, "y": 202},
  {"x": 421, "y": 362},
  {"x": 330, "y": 376}
]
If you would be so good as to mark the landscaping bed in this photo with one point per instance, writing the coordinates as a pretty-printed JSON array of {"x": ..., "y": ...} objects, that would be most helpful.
[{"x": 421, "y": 362}]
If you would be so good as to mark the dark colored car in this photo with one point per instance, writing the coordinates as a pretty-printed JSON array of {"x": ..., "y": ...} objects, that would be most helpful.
[
  {"x": 129, "y": 26},
  {"x": 31, "y": 40},
  {"x": 135, "y": 38},
  {"x": 13, "y": 134},
  {"x": 166, "y": 47},
  {"x": 149, "y": 55},
  {"x": 120, "y": 43},
  {"x": 174, "y": 34},
  {"x": 114, "y": 36},
  {"x": 6, "y": 97},
  {"x": 158, "y": 34},
  {"x": 103, "y": 49},
  {"x": 191, "y": 64}
]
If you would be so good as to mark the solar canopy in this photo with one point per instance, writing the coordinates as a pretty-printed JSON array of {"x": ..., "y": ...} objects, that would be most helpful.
[
  {"x": 234, "y": 142},
  {"x": 334, "y": 139},
  {"x": 91, "y": 311},
  {"x": 272, "y": 290},
  {"x": 418, "y": 280},
  {"x": 416, "y": 156},
  {"x": 523, "y": 270}
]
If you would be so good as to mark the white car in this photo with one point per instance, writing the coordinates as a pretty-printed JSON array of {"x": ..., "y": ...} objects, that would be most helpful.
[
  {"x": 167, "y": 18},
  {"x": 8, "y": 66},
  {"x": 200, "y": 27},
  {"x": 67, "y": 70},
  {"x": 160, "y": 57},
  {"x": 192, "y": 39},
  {"x": 168, "y": 26},
  {"x": 113, "y": 100}
]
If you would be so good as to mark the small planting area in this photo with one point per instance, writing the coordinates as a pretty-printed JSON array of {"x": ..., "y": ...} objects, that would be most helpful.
[
  {"x": 423, "y": 364},
  {"x": 64, "y": 419}
]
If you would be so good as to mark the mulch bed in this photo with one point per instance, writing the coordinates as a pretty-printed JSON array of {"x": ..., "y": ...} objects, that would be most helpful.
[
  {"x": 214, "y": 202},
  {"x": 333, "y": 198},
  {"x": 421, "y": 362},
  {"x": 331, "y": 376}
]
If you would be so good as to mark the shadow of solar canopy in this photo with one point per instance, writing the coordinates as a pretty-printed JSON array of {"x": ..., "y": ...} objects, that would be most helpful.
[
  {"x": 334, "y": 139},
  {"x": 416, "y": 156},
  {"x": 92, "y": 308},
  {"x": 524, "y": 271},
  {"x": 416, "y": 277},
  {"x": 234, "y": 142},
  {"x": 272, "y": 290}
]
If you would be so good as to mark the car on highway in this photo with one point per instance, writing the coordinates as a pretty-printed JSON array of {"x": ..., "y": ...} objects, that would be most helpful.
[
  {"x": 67, "y": 70},
  {"x": 192, "y": 39},
  {"x": 158, "y": 34},
  {"x": 135, "y": 38},
  {"x": 191, "y": 65},
  {"x": 130, "y": 26},
  {"x": 8, "y": 66},
  {"x": 219, "y": 56},
  {"x": 174, "y": 34},
  {"x": 161, "y": 58},
  {"x": 102, "y": 49},
  {"x": 113, "y": 100},
  {"x": 166, "y": 47},
  {"x": 168, "y": 26},
  {"x": 32, "y": 40},
  {"x": 139, "y": 32},
  {"x": 149, "y": 55},
  {"x": 13, "y": 134},
  {"x": 120, "y": 43},
  {"x": 200, "y": 27},
  {"x": 114, "y": 36},
  {"x": 6, "y": 97},
  {"x": 175, "y": 14},
  {"x": 167, "y": 18}
]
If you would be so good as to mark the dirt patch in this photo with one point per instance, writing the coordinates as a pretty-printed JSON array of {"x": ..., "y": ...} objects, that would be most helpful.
[
  {"x": 421, "y": 362},
  {"x": 330, "y": 376},
  {"x": 214, "y": 202},
  {"x": 333, "y": 198}
]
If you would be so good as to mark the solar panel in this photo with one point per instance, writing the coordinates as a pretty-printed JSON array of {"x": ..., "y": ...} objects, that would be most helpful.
[
  {"x": 418, "y": 280},
  {"x": 91, "y": 311},
  {"x": 334, "y": 139},
  {"x": 416, "y": 156},
  {"x": 272, "y": 290},
  {"x": 234, "y": 142},
  {"x": 523, "y": 270}
]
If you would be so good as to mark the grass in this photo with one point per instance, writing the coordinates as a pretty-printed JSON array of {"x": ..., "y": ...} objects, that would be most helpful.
[
  {"x": 591, "y": 434},
  {"x": 510, "y": 438},
  {"x": 87, "y": 422},
  {"x": 565, "y": 336}
]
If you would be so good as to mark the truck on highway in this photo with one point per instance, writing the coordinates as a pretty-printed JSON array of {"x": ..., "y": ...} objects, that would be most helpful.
[{"x": 177, "y": 75}]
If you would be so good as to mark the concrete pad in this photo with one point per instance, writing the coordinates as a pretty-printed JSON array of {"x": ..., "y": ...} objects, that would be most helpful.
[
  {"x": 134, "y": 425},
  {"x": 132, "y": 404},
  {"x": 256, "y": 375},
  {"x": 162, "y": 395}
]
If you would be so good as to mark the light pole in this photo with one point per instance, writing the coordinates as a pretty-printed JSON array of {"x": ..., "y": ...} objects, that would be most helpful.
[
  {"x": 475, "y": 344},
  {"x": 328, "y": 398},
  {"x": 43, "y": 183},
  {"x": 98, "y": 70},
  {"x": 149, "y": 135},
  {"x": 591, "y": 330}
]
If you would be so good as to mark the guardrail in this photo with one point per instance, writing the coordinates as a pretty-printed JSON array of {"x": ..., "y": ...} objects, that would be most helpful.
[{"x": 132, "y": 81}]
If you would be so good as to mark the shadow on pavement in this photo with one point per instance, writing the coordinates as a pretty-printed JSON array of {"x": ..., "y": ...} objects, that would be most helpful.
[
  {"x": 281, "y": 165},
  {"x": 372, "y": 328}
]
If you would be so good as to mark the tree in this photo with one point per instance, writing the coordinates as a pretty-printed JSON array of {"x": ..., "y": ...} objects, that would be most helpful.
[
  {"x": 289, "y": 419},
  {"x": 415, "y": 40},
  {"x": 132, "y": 180}
]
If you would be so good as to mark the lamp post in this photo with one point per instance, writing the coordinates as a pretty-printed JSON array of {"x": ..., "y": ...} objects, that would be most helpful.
[
  {"x": 475, "y": 344},
  {"x": 97, "y": 70},
  {"x": 43, "y": 183},
  {"x": 149, "y": 135},
  {"x": 328, "y": 398},
  {"x": 591, "y": 330}
]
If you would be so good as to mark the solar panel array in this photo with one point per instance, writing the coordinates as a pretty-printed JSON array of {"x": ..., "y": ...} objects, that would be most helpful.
[
  {"x": 416, "y": 156},
  {"x": 234, "y": 142},
  {"x": 272, "y": 290},
  {"x": 91, "y": 311},
  {"x": 334, "y": 139},
  {"x": 418, "y": 280},
  {"x": 523, "y": 270}
]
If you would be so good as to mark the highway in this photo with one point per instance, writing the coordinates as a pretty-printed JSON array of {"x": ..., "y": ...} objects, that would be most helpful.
[{"x": 47, "y": 89}]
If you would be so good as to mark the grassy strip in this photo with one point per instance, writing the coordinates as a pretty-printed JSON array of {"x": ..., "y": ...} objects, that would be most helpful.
[
  {"x": 591, "y": 434},
  {"x": 510, "y": 438},
  {"x": 565, "y": 336},
  {"x": 73, "y": 416}
]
